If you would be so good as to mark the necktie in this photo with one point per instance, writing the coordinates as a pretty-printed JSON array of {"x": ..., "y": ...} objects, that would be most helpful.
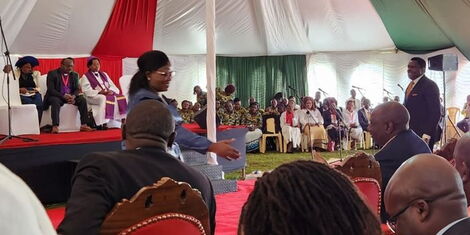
[{"x": 409, "y": 88}]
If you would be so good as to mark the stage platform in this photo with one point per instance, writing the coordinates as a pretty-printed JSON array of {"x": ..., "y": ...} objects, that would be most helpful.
[{"x": 47, "y": 165}]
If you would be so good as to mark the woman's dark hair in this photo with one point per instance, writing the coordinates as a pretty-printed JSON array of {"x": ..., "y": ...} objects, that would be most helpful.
[
  {"x": 148, "y": 62},
  {"x": 306, "y": 197}
]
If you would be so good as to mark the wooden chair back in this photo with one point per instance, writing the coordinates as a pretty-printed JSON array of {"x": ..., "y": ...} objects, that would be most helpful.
[
  {"x": 361, "y": 165},
  {"x": 164, "y": 196},
  {"x": 170, "y": 223}
]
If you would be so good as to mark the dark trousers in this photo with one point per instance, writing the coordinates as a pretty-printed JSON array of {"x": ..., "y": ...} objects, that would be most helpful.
[
  {"x": 56, "y": 103},
  {"x": 35, "y": 99},
  {"x": 334, "y": 133}
]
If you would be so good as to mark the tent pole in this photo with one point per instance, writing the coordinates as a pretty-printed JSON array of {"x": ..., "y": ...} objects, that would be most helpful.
[{"x": 210, "y": 73}]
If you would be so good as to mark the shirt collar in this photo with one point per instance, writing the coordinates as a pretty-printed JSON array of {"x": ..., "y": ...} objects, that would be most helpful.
[
  {"x": 417, "y": 79},
  {"x": 443, "y": 230}
]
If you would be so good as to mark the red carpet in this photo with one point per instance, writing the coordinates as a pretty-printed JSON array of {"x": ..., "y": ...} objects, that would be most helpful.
[
  {"x": 45, "y": 139},
  {"x": 229, "y": 206}
]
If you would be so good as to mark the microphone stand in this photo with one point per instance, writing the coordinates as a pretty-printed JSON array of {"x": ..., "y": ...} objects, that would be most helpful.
[{"x": 9, "y": 136}]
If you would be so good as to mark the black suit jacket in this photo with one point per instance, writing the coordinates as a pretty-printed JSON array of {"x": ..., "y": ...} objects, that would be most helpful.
[
  {"x": 460, "y": 228},
  {"x": 363, "y": 120},
  {"x": 54, "y": 85},
  {"x": 424, "y": 107},
  {"x": 405, "y": 145},
  {"x": 103, "y": 179}
]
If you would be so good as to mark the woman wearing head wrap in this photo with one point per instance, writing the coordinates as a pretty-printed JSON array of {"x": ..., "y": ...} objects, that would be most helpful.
[{"x": 28, "y": 82}]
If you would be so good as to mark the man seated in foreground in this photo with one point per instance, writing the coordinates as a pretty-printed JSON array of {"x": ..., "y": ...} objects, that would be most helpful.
[
  {"x": 103, "y": 179},
  {"x": 323, "y": 201},
  {"x": 389, "y": 128},
  {"x": 426, "y": 196},
  {"x": 462, "y": 162},
  {"x": 21, "y": 212}
]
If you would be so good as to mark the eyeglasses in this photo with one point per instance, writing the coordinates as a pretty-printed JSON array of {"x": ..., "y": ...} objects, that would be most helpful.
[
  {"x": 392, "y": 221},
  {"x": 166, "y": 74}
]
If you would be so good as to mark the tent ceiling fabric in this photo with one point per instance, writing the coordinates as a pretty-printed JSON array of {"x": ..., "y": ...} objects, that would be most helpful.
[
  {"x": 67, "y": 27},
  {"x": 451, "y": 16},
  {"x": 266, "y": 27},
  {"x": 410, "y": 25}
]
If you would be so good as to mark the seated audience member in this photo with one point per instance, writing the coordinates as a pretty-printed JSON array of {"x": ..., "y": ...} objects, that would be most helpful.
[
  {"x": 219, "y": 108},
  {"x": 462, "y": 162},
  {"x": 186, "y": 113},
  {"x": 333, "y": 121},
  {"x": 426, "y": 196},
  {"x": 385, "y": 99},
  {"x": 28, "y": 80},
  {"x": 306, "y": 197},
  {"x": 311, "y": 122},
  {"x": 201, "y": 96},
  {"x": 296, "y": 106},
  {"x": 254, "y": 121},
  {"x": 196, "y": 107},
  {"x": 464, "y": 125},
  {"x": 63, "y": 87},
  {"x": 21, "y": 212},
  {"x": 290, "y": 127},
  {"x": 226, "y": 94},
  {"x": 238, "y": 108},
  {"x": 357, "y": 102},
  {"x": 390, "y": 129},
  {"x": 396, "y": 99},
  {"x": 229, "y": 116},
  {"x": 103, "y": 179},
  {"x": 251, "y": 100},
  {"x": 354, "y": 129},
  {"x": 364, "y": 114},
  {"x": 100, "y": 91},
  {"x": 272, "y": 109}
]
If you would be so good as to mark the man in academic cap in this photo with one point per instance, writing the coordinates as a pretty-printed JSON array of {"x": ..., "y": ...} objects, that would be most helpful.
[{"x": 28, "y": 81}]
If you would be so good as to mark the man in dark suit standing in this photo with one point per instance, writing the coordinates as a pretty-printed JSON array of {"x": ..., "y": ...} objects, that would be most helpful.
[
  {"x": 63, "y": 87},
  {"x": 426, "y": 196},
  {"x": 422, "y": 101},
  {"x": 389, "y": 129},
  {"x": 103, "y": 179}
]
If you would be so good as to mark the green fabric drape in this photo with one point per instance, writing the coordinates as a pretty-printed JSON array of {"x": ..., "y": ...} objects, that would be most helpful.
[
  {"x": 263, "y": 76},
  {"x": 410, "y": 25}
]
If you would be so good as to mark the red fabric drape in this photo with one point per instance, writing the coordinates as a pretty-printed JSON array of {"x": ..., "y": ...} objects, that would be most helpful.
[
  {"x": 130, "y": 29},
  {"x": 111, "y": 65}
]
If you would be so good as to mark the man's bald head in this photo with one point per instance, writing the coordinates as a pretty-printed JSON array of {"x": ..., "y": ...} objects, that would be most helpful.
[
  {"x": 462, "y": 162},
  {"x": 422, "y": 182},
  {"x": 147, "y": 123},
  {"x": 387, "y": 120}
]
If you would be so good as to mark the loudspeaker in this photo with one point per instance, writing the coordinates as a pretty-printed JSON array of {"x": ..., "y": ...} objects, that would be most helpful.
[
  {"x": 201, "y": 118},
  {"x": 443, "y": 62}
]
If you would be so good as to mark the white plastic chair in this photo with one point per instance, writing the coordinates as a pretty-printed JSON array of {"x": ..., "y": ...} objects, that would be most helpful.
[
  {"x": 125, "y": 82},
  {"x": 24, "y": 117}
]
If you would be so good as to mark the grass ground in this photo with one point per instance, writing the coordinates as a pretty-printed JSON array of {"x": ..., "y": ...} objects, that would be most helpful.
[{"x": 270, "y": 160}]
